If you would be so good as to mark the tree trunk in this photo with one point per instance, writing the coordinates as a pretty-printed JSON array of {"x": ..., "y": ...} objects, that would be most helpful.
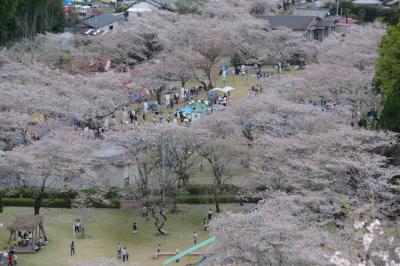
[
  {"x": 216, "y": 195},
  {"x": 38, "y": 203},
  {"x": 157, "y": 223},
  {"x": 216, "y": 201},
  {"x": 1, "y": 204},
  {"x": 68, "y": 199}
]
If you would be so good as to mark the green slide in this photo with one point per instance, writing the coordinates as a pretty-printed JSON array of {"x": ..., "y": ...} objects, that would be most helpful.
[{"x": 189, "y": 250}]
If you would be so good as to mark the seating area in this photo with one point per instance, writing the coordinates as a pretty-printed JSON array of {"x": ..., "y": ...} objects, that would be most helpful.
[{"x": 27, "y": 234}]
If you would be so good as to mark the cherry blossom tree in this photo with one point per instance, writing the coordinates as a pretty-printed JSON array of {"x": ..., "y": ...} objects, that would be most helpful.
[
  {"x": 275, "y": 232},
  {"x": 53, "y": 164}
]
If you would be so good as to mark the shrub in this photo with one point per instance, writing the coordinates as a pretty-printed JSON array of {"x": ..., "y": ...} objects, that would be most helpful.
[
  {"x": 18, "y": 202},
  {"x": 263, "y": 187},
  {"x": 29, "y": 193},
  {"x": 55, "y": 203},
  {"x": 115, "y": 204},
  {"x": 65, "y": 57},
  {"x": 209, "y": 199},
  {"x": 89, "y": 191},
  {"x": 205, "y": 199},
  {"x": 203, "y": 189}
]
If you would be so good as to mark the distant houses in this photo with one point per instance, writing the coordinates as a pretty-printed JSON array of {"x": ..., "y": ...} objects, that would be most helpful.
[
  {"x": 314, "y": 23},
  {"x": 98, "y": 24},
  {"x": 151, "y": 5}
]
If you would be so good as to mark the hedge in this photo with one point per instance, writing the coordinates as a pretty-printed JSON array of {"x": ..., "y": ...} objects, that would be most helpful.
[
  {"x": 19, "y": 202},
  {"x": 116, "y": 204},
  {"x": 27, "y": 193},
  {"x": 209, "y": 199},
  {"x": 203, "y": 189},
  {"x": 56, "y": 203}
]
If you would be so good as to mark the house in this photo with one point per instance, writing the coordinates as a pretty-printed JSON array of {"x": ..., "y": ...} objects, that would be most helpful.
[
  {"x": 139, "y": 8},
  {"x": 313, "y": 27},
  {"x": 325, "y": 27},
  {"x": 102, "y": 22},
  {"x": 343, "y": 25},
  {"x": 314, "y": 12},
  {"x": 368, "y": 2},
  {"x": 151, "y": 5}
]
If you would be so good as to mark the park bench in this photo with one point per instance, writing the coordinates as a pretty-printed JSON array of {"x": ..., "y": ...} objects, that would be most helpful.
[{"x": 156, "y": 255}]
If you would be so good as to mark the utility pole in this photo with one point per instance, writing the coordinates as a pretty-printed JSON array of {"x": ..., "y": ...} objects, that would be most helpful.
[
  {"x": 337, "y": 7},
  {"x": 163, "y": 181}
]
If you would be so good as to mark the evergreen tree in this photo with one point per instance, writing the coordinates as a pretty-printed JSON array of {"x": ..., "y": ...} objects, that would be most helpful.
[
  {"x": 388, "y": 77},
  {"x": 27, "y": 18}
]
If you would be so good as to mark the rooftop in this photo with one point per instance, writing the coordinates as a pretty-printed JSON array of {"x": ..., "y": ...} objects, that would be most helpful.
[
  {"x": 101, "y": 20},
  {"x": 291, "y": 22},
  {"x": 319, "y": 12},
  {"x": 27, "y": 222}
]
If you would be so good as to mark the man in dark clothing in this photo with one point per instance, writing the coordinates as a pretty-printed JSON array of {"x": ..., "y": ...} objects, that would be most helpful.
[
  {"x": 72, "y": 248},
  {"x": 131, "y": 116},
  {"x": 134, "y": 228}
]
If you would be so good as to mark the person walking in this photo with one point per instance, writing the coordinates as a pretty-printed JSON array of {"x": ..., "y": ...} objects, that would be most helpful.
[
  {"x": 124, "y": 252},
  {"x": 204, "y": 224},
  {"x": 158, "y": 248},
  {"x": 10, "y": 259},
  {"x": 210, "y": 213},
  {"x": 119, "y": 249},
  {"x": 134, "y": 228},
  {"x": 177, "y": 252},
  {"x": 194, "y": 238},
  {"x": 72, "y": 248}
]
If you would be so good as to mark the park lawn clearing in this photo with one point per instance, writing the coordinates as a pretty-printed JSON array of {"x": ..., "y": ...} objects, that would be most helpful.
[{"x": 105, "y": 228}]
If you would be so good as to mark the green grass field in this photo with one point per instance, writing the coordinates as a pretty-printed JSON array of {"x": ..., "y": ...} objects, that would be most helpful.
[{"x": 105, "y": 228}]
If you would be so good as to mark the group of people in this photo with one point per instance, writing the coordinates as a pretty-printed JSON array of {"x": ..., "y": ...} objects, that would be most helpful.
[
  {"x": 224, "y": 100},
  {"x": 25, "y": 239},
  {"x": 263, "y": 75},
  {"x": 7, "y": 257},
  {"x": 122, "y": 252},
  {"x": 255, "y": 90}
]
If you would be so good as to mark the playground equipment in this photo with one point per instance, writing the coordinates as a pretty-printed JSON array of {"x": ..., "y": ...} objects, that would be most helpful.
[{"x": 190, "y": 251}]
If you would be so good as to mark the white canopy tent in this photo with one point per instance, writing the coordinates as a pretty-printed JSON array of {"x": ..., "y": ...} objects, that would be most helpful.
[{"x": 224, "y": 89}]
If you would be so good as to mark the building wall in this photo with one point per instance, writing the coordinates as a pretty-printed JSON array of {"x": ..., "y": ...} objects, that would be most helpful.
[
  {"x": 342, "y": 28},
  {"x": 107, "y": 28}
]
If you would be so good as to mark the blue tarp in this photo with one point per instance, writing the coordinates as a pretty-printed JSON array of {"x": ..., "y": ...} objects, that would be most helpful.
[{"x": 187, "y": 110}]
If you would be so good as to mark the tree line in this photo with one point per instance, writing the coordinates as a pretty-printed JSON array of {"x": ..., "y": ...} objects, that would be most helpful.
[{"x": 26, "y": 18}]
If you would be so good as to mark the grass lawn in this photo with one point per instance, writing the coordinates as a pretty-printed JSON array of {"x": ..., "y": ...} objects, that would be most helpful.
[{"x": 105, "y": 228}]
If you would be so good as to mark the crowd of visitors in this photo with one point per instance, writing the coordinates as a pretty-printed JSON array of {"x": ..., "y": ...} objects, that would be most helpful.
[
  {"x": 255, "y": 90},
  {"x": 8, "y": 257}
]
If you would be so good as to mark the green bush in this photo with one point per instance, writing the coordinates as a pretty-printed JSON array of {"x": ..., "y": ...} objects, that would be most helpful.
[
  {"x": 27, "y": 202},
  {"x": 29, "y": 193},
  {"x": 55, "y": 203},
  {"x": 205, "y": 199},
  {"x": 263, "y": 187},
  {"x": 209, "y": 199},
  {"x": 203, "y": 189},
  {"x": 89, "y": 191},
  {"x": 116, "y": 204},
  {"x": 368, "y": 14},
  {"x": 18, "y": 202},
  {"x": 65, "y": 57}
]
